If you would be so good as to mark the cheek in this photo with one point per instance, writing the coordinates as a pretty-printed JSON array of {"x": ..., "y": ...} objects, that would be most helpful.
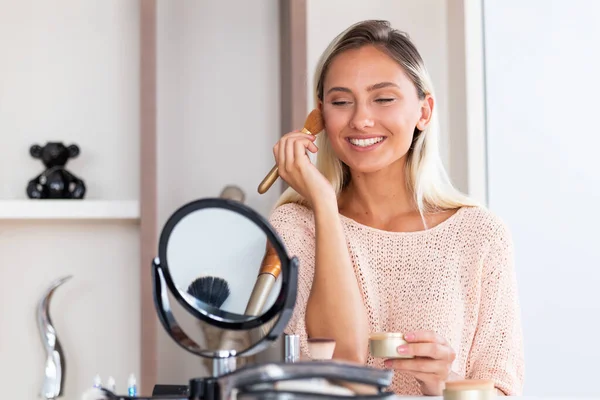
[
  {"x": 400, "y": 121},
  {"x": 335, "y": 122}
]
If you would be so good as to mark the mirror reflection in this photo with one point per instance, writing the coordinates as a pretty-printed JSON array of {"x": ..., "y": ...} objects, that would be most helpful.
[{"x": 225, "y": 260}]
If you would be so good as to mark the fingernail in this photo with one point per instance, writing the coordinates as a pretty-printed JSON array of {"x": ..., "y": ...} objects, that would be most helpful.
[
  {"x": 409, "y": 336},
  {"x": 387, "y": 363},
  {"x": 402, "y": 349}
]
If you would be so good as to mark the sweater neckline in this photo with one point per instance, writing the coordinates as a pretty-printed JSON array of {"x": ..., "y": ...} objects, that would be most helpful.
[{"x": 442, "y": 225}]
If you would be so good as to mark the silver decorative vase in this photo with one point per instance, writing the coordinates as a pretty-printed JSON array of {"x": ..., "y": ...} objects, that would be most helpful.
[{"x": 55, "y": 366}]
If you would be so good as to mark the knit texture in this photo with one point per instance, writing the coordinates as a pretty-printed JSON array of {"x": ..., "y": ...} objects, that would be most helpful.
[{"x": 456, "y": 278}]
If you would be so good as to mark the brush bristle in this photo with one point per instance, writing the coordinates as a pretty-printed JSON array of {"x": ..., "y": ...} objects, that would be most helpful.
[
  {"x": 314, "y": 122},
  {"x": 210, "y": 289}
]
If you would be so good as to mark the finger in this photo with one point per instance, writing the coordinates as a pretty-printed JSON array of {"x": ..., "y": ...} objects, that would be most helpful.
[
  {"x": 300, "y": 151},
  {"x": 422, "y": 365},
  {"x": 435, "y": 351},
  {"x": 423, "y": 376},
  {"x": 293, "y": 134},
  {"x": 290, "y": 160},
  {"x": 424, "y": 336},
  {"x": 281, "y": 158},
  {"x": 300, "y": 147},
  {"x": 276, "y": 153},
  {"x": 302, "y": 136}
]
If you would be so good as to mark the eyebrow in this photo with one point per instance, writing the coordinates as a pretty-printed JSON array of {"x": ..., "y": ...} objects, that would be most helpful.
[{"x": 376, "y": 86}]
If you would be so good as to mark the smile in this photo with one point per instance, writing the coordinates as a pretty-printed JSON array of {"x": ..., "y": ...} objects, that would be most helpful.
[{"x": 365, "y": 142}]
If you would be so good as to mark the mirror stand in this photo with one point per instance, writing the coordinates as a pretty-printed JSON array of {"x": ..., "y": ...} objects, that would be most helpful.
[
  {"x": 223, "y": 363},
  {"x": 221, "y": 243}
]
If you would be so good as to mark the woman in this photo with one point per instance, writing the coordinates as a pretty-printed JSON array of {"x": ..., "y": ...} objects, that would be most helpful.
[{"x": 385, "y": 243}]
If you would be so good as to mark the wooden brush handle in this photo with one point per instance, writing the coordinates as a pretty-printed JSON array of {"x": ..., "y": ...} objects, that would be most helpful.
[
  {"x": 270, "y": 269},
  {"x": 274, "y": 173},
  {"x": 269, "y": 180},
  {"x": 260, "y": 293}
]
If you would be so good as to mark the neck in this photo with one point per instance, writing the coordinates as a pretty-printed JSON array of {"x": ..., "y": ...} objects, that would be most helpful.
[{"x": 382, "y": 194}]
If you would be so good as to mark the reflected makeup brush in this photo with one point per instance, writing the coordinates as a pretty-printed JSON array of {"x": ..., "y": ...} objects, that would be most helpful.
[
  {"x": 268, "y": 274},
  {"x": 312, "y": 126}
]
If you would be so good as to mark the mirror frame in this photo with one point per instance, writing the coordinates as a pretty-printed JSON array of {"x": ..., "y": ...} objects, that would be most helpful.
[{"x": 213, "y": 315}]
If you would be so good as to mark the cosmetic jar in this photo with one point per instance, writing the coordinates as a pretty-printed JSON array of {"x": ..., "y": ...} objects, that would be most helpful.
[
  {"x": 321, "y": 348},
  {"x": 470, "y": 390},
  {"x": 385, "y": 345}
]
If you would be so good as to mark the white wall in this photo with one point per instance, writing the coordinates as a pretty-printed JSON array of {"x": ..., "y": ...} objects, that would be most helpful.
[
  {"x": 218, "y": 116},
  {"x": 425, "y": 21},
  {"x": 69, "y": 71},
  {"x": 544, "y": 179}
]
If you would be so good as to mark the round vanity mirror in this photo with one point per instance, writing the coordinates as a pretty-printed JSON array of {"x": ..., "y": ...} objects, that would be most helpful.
[{"x": 227, "y": 267}]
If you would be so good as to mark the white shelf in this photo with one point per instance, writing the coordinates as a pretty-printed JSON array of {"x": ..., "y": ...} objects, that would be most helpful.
[{"x": 69, "y": 209}]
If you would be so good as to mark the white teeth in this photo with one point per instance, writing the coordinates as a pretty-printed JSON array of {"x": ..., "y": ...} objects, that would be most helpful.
[{"x": 365, "y": 142}]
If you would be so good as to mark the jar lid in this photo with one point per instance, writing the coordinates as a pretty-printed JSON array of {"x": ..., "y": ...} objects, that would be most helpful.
[
  {"x": 386, "y": 335},
  {"x": 470, "y": 384}
]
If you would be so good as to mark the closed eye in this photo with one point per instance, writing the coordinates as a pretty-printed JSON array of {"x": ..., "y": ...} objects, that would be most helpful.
[
  {"x": 384, "y": 100},
  {"x": 340, "y": 103}
]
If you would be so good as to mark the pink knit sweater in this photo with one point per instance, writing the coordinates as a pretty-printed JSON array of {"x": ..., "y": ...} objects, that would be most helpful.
[{"x": 456, "y": 279}]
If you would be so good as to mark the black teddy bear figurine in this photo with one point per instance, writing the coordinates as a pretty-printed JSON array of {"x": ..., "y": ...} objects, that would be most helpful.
[{"x": 55, "y": 182}]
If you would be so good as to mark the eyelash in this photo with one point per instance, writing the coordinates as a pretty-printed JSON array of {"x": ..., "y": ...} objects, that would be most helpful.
[{"x": 342, "y": 103}]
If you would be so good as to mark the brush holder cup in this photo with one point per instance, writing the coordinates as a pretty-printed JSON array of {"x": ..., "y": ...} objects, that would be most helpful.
[{"x": 234, "y": 290}]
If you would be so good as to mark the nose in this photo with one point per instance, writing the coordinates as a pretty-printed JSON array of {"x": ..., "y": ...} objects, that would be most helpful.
[{"x": 361, "y": 118}]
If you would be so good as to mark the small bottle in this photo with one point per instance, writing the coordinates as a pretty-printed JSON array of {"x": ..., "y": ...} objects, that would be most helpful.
[
  {"x": 111, "y": 385},
  {"x": 97, "y": 381},
  {"x": 292, "y": 348},
  {"x": 131, "y": 386}
]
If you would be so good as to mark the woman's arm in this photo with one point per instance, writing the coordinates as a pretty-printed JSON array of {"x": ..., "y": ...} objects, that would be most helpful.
[
  {"x": 497, "y": 349},
  {"x": 335, "y": 307}
]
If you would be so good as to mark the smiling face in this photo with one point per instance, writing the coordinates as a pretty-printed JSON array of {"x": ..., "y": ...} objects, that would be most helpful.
[{"x": 371, "y": 108}]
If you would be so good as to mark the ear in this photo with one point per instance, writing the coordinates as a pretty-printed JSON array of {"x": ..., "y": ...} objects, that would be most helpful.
[
  {"x": 35, "y": 151},
  {"x": 73, "y": 151},
  {"x": 427, "y": 105}
]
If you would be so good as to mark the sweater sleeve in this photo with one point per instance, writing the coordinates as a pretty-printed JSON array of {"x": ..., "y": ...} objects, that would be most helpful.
[
  {"x": 497, "y": 349},
  {"x": 295, "y": 225}
]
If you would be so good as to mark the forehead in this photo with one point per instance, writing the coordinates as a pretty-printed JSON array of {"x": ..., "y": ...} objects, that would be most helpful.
[{"x": 360, "y": 68}]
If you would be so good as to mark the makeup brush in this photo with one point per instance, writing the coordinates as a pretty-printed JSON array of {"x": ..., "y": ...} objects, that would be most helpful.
[
  {"x": 213, "y": 291},
  {"x": 312, "y": 126},
  {"x": 321, "y": 348},
  {"x": 269, "y": 272},
  {"x": 210, "y": 289},
  {"x": 267, "y": 275}
]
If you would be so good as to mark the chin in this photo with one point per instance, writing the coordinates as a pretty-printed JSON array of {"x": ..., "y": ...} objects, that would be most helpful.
[{"x": 367, "y": 167}]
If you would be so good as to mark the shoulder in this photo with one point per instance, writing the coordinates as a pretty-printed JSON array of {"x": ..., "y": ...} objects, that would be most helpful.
[
  {"x": 485, "y": 224},
  {"x": 292, "y": 216}
]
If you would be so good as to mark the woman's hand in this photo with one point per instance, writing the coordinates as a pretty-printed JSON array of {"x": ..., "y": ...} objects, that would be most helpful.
[
  {"x": 296, "y": 168},
  {"x": 432, "y": 361}
]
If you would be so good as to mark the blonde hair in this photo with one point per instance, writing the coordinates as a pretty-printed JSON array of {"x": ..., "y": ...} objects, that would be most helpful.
[{"x": 426, "y": 177}]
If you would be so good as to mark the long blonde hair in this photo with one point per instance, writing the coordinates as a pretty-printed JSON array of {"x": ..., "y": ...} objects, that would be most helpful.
[{"x": 426, "y": 177}]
